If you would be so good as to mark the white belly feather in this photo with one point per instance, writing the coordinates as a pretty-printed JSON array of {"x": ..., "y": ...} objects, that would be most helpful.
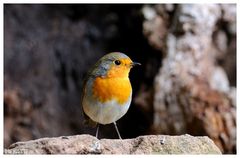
[{"x": 106, "y": 113}]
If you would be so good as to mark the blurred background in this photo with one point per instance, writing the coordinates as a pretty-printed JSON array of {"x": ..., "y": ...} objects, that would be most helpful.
[{"x": 186, "y": 84}]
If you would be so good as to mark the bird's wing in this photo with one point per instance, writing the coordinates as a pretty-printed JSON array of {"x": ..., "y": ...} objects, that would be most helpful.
[{"x": 87, "y": 120}]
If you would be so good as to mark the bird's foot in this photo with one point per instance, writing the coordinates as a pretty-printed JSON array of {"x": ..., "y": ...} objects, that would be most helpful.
[{"x": 96, "y": 147}]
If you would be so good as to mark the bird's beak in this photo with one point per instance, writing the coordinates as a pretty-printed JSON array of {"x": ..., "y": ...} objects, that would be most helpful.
[{"x": 135, "y": 64}]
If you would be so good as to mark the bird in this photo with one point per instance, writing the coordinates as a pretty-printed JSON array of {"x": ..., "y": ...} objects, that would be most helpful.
[{"x": 107, "y": 90}]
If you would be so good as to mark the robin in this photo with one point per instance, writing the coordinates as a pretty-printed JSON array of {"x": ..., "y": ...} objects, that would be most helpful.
[{"x": 107, "y": 91}]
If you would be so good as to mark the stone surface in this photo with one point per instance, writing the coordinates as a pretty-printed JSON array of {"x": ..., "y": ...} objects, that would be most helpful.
[
  {"x": 191, "y": 90},
  {"x": 87, "y": 144}
]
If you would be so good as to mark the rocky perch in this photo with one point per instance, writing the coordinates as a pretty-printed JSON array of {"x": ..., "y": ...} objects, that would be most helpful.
[{"x": 87, "y": 144}]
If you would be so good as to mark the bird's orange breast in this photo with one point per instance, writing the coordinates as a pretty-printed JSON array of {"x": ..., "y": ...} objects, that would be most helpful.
[{"x": 106, "y": 89}]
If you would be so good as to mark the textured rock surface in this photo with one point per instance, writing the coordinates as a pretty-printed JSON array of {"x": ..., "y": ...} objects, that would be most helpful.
[
  {"x": 191, "y": 91},
  {"x": 86, "y": 144}
]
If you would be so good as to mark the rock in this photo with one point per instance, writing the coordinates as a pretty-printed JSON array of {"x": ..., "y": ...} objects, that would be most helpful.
[
  {"x": 155, "y": 25},
  {"x": 191, "y": 90},
  {"x": 87, "y": 144}
]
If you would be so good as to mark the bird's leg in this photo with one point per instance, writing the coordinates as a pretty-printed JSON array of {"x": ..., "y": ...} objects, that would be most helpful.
[
  {"x": 97, "y": 130},
  {"x": 95, "y": 148},
  {"x": 115, "y": 125}
]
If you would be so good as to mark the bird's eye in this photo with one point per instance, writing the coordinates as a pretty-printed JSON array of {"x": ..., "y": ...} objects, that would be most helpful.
[{"x": 117, "y": 62}]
